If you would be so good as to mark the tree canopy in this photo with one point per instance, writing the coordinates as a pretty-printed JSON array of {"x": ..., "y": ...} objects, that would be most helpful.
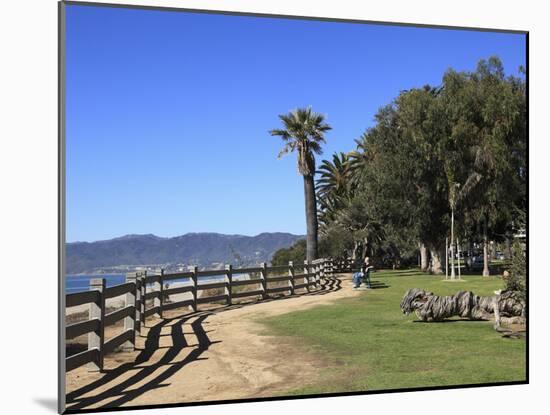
[{"x": 459, "y": 147}]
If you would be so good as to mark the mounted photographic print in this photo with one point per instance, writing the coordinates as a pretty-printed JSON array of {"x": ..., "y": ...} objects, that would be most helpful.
[{"x": 259, "y": 207}]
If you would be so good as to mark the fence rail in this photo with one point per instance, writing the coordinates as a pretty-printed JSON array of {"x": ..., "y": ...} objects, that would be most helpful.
[{"x": 138, "y": 295}]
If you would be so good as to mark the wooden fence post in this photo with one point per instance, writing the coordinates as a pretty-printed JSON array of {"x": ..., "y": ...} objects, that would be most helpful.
[
  {"x": 194, "y": 278},
  {"x": 144, "y": 295},
  {"x": 320, "y": 279},
  {"x": 291, "y": 275},
  {"x": 157, "y": 286},
  {"x": 97, "y": 338},
  {"x": 306, "y": 271},
  {"x": 142, "y": 301},
  {"x": 229, "y": 275},
  {"x": 138, "y": 303},
  {"x": 131, "y": 320},
  {"x": 317, "y": 275},
  {"x": 263, "y": 274}
]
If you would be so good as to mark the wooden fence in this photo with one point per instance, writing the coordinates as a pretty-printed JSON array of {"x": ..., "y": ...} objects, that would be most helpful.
[{"x": 140, "y": 287}]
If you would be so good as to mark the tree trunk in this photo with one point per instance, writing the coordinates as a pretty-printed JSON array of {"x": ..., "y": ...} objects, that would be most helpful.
[
  {"x": 485, "y": 250},
  {"x": 423, "y": 257},
  {"x": 453, "y": 275},
  {"x": 354, "y": 252},
  {"x": 493, "y": 246},
  {"x": 436, "y": 261},
  {"x": 508, "y": 249},
  {"x": 365, "y": 250},
  {"x": 311, "y": 218}
]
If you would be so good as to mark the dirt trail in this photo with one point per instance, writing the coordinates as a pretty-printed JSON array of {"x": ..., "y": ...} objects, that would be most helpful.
[{"x": 211, "y": 355}]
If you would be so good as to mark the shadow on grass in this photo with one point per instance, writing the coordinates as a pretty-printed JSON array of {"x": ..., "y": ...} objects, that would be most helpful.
[
  {"x": 376, "y": 284},
  {"x": 460, "y": 320}
]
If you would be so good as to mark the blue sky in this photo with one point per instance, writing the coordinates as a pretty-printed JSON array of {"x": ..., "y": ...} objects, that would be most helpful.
[{"x": 168, "y": 113}]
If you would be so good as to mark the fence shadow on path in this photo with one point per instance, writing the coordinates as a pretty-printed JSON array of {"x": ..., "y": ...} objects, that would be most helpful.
[{"x": 159, "y": 371}]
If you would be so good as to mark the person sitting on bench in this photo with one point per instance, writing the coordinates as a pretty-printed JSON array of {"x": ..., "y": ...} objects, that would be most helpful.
[{"x": 363, "y": 275}]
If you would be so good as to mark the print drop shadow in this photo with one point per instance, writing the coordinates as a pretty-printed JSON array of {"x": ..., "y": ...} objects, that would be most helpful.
[{"x": 123, "y": 391}]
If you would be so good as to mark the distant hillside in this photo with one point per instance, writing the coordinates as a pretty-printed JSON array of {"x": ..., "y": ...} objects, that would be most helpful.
[{"x": 202, "y": 249}]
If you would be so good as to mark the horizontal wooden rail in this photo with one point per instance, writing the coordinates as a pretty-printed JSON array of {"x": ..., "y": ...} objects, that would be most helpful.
[
  {"x": 212, "y": 285},
  {"x": 117, "y": 341},
  {"x": 179, "y": 290},
  {"x": 247, "y": 293},
  {"x": 298, "y": 286},
  {"x": 118, "y": 290},
  {"x": 152, "y": 294},
  {"x": 211, "y": 273},
  {"x": 282, "y": 278},
  {"x": 246, "y": 270},
  {"x": 80, "y": 359},
  {"x": 151, "y": 311},
  {"x": 152, "y": 278},
  {"x": 119, "y": 314},
  {"x": 237, "y": 283},
  {"x": 278, "y": 289},
  {"x": 84, "y": 327},
  {"x": 177, "y": 275},
  {"x": 278, "y": 268},
  {"x": 178, "y": 304},
  {"x": 76, "y": 299},
  {"x": 203, "y": 300}
]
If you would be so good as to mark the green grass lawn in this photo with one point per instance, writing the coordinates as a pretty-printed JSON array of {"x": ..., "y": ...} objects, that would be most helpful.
[{"x": 368, "y": 344}]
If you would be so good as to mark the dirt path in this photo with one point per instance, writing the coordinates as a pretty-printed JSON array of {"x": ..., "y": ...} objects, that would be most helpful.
[{"x": 210, "y": 355}]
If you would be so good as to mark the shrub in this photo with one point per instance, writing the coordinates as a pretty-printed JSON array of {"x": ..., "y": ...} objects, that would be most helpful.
[{"x": 516, "y": 277}]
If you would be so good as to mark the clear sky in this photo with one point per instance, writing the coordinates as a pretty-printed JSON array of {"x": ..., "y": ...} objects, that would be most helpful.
[{"x": 168, "y": 113}]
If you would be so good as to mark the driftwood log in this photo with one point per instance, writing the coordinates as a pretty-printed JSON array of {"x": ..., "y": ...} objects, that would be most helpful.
[{"x": 505, "y": 306}]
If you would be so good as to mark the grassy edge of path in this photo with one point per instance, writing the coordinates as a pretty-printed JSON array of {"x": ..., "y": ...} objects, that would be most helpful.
[{"x": 366, "y": 343}]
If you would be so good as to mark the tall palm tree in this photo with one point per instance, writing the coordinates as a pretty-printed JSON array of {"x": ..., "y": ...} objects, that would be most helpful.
[{"x": 304, "y": 132}]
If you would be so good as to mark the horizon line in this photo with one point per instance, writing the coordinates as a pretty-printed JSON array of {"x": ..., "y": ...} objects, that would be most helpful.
[{"x": 183, "y": 234}]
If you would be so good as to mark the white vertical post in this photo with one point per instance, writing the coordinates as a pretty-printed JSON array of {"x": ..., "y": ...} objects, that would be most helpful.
[
  {"x": 446, "y": 258},
  {"x": 458, "y": 250},
  {"x": 96, "y": 339}
]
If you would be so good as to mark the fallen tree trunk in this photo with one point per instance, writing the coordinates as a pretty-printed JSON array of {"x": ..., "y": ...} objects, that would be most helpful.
[{"x": 429, "y": 307}]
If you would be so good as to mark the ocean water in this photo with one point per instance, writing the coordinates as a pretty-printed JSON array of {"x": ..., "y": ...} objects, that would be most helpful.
[{"x": 78, "y": 283}]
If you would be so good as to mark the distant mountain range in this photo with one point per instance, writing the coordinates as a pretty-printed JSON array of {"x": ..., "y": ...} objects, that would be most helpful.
[{"x": 201, "y": 249}]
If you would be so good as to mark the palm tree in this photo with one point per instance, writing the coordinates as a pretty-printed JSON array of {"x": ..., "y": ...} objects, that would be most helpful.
[
  {"x": 304, "y": 132},
  {"x": 334, "y": 176}
]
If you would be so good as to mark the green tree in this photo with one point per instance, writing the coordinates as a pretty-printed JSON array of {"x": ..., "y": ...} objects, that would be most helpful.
[
  {"x": 485, "y": 145},
  {"x": 516, "y": 278},
  {"x": 296, "y": 253},
  {"x": 304, "y": 131}
]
